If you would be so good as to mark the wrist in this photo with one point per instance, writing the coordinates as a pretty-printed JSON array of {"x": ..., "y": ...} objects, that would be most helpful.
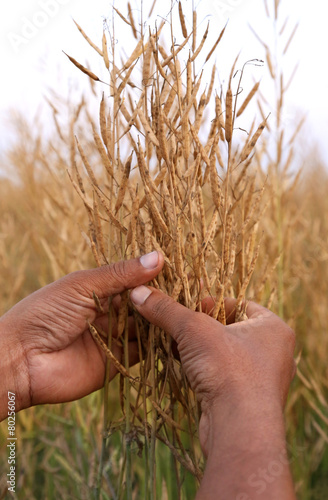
[
  {"x": 13, "y": 370},
  {"x": 242, "y": 414},
  {"x": 246, "y": 450}
]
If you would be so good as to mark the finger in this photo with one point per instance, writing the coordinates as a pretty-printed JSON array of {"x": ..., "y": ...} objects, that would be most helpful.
[
  {"x": 253, "y": 310},
  {"x": 163, "y": 311},
  {"x": 109, "y": 280}
]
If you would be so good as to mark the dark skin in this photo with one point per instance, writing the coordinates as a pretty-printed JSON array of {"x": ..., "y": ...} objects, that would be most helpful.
[
  {"x": 241, "y": 372},
  {"x": 51, "y": 356}
]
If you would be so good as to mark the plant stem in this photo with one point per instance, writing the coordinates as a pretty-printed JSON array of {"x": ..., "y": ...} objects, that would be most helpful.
[
  {"x": 128, "y": 467},
  {"x": 153, "y": 417},
  {"x": 106, "y": 396}
]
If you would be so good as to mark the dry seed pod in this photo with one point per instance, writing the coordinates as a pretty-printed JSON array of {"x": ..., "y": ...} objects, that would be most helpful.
[
  {"x": 201, "y": 211},
  {"x": 105, "y": 52},
  {"x": 133, "y": 120},
  {"x": 250, "y": 245},
  {"x": 201, "y": 45},
  {"x": 132, "y": 23},
  {"x": 215, "y": 187},
  {"x": 157, "y": 218},
  {"x": 104, "y": 156},
  {"x": 109, "y": 212},
  {"x": 204, "y": 275},
  {"x": 87, "y": 205},
  {"x": 211, "y": 86},
  {"x": 266, "y": 8},
  {"x": 251, "y": 144},
  {"x": 194, "y": 30},
  {"x": 219, "y": 116},
  {"x": 231, "y": 264},
  {"x": 122, "y": 314},
  {"x": 219, "y": 302},
  {"x": 192, "y": 98},
  {"x": 131, "y": 238},
  {"x": 211, "y": 229},
  {"x": 155, "y": 54},
  {"x": 160, "y": 177},
  {"x": 200, "y": 111},
  {"x": 124, "y": 110},
  {"x": 228, "y": 120},
  {"x": 215, "y": 45},
  {"x": 218, "y": 155},
  {"x": 276, "y": 7},
  {"x": 169, "y": 101},
  {"x": 97, "y": 302},
  {"x": 121, "y": 16},
  {"x": 95, "y": 253},
  {"x": 135, "y": 54},
  {"x": 182, "y": 21},
  {"x": 143, "y": 169},
  {"x": 82, "y": 68},
  {"x": 178, "y": 78},
  {"x": 228, "y": 231},
  {"x": 147, "y": 61},
  {"x": 174, "y": 54},
  {"x": 249, "y": 274},
  {"x": 162, "y": 139},
  {"x": 167, "y": 59},
  {"x": 90, "y": 42},
  {"x": 189, "y": 81},
  {"x": 248, "y": 99},
  {"x": 102, "y": 121},
  {"x": 147, "y": 128},
  {"x": 99, "y": 233},
  {"x": 124, "y": 182},
  {"x": 200, "y": 147},
  {"x": 86, "y": 163},
  {"x": 125, "y": 80},
  {"x": 270, "y": 65}
]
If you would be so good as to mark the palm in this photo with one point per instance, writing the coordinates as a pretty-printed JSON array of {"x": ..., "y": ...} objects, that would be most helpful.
[{"x": 49, "y": 331}]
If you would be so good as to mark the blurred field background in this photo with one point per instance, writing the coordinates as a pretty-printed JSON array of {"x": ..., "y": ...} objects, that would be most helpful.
[{"x": 40, "y": 241}]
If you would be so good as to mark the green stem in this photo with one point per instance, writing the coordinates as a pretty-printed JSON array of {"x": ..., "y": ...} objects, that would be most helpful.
[
  {"x": 144, "y": 398},
  {"x": 128, "y": 466},
  {"x": 153, "y": 418},
  {"x": 106, "y": 407}
]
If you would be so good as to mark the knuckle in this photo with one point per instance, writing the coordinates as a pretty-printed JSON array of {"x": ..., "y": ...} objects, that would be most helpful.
[
  {"x": 161, "y": 309},
  {"x": 74, "y": 280},
  {"x": 120, "y": 272},
  {"x": 118, "y": 275}
]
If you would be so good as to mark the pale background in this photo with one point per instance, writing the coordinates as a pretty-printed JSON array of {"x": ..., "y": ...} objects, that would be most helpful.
[{"x": 32, "y": 67}]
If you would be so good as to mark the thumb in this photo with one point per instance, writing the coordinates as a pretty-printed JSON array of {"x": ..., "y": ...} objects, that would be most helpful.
[
  {"x": 113, "y": 279},
  {"x": 161, "y": 310}
]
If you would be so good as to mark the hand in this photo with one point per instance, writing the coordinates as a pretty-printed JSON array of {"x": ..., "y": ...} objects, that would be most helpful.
[
  {"x": 241, "y": 374},
  {"x": 251, "y": 358},
  {"x": 49, "y": 355}
]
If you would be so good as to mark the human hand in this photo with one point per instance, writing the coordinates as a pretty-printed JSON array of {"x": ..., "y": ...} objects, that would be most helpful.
[
  {"x": 248, "y": 363},
  {"x": 48, "y": 353}
]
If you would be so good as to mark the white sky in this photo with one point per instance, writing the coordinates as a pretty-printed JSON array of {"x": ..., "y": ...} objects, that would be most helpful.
[{"x": 39, "y": 63}]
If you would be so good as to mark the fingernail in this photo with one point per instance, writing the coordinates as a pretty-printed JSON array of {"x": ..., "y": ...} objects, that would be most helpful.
[
  {"x": 150, "y": 260},
  {"x": 139, "y": 295}
]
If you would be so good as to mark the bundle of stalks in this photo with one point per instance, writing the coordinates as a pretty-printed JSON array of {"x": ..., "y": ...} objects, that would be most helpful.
[{"x": 170, "y": 179}]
